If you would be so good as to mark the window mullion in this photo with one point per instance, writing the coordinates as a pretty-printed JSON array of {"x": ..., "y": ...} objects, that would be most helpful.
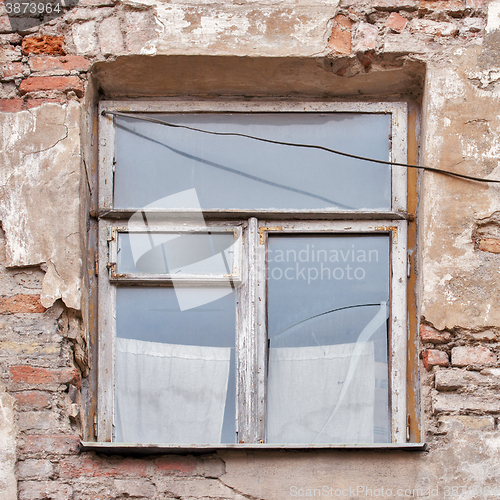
[
  {"x": 105, "y": 340},
  {"x": 398, "y": 333},
  {"x": 399, "y": 155},
  {"x": 246, "y": 355},
  {"x": 251, "y": 341}
]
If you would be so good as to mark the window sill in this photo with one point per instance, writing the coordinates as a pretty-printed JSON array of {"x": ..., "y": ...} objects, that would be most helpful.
[{"x": 161, "y": 449}]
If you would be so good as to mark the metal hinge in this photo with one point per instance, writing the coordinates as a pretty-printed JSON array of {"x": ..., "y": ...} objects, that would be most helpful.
[
  {"x": 407, "y": 428},
  {"x": 408, "y": 270},
  {"x": 111, "y": 240},
  {"x": 96, "y": 263},
  {"x": 94, "y": 425}
]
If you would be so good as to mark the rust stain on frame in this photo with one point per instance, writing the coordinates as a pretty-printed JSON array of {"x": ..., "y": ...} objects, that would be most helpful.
[{"x": 262, "y": 238}]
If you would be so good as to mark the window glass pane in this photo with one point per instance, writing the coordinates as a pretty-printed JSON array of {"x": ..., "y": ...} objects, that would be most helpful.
[
  {"x": 175, "y": 253},
  {"x": 154, "y": 161},
  {"x": 174, "y": 369},
  {"x": 327, "y": 326}
]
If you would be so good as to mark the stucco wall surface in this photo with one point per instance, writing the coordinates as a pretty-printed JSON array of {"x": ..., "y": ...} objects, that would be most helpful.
[
  {"x": 459, "y": 268},
  {"x": 40, "y": 185},
  {"x": 442, "y": 57}
]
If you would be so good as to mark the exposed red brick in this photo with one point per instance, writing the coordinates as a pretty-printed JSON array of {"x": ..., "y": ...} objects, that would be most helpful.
[
  {"x": 464, "y": 356},
  {"x": 11, "y": 106},
  {"x": 33, "y": 103},
  {"x": 88, "y": 467},
  {"x": 176, "y": 464},
  {"x": 340, "y": 39},
  {"x": 32, "y": 399},
  {"x": 13, "y": 70},
  {"x": 429, "y": 334},
  {"x": 66, "y": 63},
  {"x": 433, "y": 357},
  {"x": 45, "y": 44},
  {"x": 396, "y": 22},
  {"x": 30, "y": 375},
  {"x": 60, "y": 83},
  {"x": 20, "y": 303},
  {"x": 61, "y": 445},
  {"x": 491, "y": 245}
]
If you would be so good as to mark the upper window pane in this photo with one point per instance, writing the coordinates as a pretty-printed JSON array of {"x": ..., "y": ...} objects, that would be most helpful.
[{"x": 154, "y": 161}]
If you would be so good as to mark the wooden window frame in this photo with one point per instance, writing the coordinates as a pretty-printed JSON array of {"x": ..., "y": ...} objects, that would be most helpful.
[{"x": 251, "y": 342}]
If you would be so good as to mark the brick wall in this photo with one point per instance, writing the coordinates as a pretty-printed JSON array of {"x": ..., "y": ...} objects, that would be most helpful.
[
  {"x": 464, "y": 376},
  {"x": 50, "y": 62}
]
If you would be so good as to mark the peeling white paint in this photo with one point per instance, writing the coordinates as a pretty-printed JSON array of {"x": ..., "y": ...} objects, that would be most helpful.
[
  {"x": 40, "y": 202},
  {"x": 444, "y": 82},
  {"x": 171, "y": 17}
]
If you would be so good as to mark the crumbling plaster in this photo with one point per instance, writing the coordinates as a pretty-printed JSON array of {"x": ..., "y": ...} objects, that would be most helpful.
[
  {"x": 460, "y": 283},
  {"x": 40, "y": 197},
  {"x": 260, "y": 28}
]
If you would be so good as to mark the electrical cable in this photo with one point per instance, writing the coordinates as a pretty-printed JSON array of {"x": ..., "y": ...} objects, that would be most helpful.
[
  {"x": 237, "y": 172},
  {"x": 298, "y": 145}
]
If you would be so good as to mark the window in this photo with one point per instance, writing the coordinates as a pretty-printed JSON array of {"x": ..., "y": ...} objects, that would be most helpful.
[{"x": 252, "y": 291}]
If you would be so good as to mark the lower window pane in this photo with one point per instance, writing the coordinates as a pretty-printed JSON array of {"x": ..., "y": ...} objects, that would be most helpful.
[
  {"x": 175, "y": 369},
  {"x": 328, "y": 336}
]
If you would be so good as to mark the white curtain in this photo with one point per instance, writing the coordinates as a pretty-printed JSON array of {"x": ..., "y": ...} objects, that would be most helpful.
[
  {"x": 169, "y": 393},
  {"x": 304, "y": 387}
]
